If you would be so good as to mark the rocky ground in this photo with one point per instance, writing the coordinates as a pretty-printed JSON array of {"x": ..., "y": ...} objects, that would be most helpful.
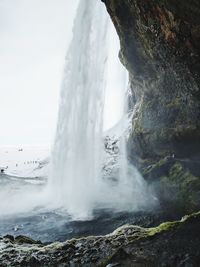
[{"x": 169, "y": 244}]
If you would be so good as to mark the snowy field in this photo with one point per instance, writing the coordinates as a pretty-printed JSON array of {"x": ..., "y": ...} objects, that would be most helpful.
[{"x": 25, "y": 161}]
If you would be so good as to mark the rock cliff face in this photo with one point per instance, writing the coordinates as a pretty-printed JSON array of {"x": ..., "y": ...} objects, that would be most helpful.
[{"x": 160, "y": 47}]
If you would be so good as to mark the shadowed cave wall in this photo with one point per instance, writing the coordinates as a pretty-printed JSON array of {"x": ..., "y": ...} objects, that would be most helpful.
[{"x": 160, "y": 47}]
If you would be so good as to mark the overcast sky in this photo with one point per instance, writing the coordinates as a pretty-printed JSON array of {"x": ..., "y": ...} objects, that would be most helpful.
[{"x": 34, "y": 38}]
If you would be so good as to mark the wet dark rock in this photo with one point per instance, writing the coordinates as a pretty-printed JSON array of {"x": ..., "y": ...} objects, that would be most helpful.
[
  {"x": 160, "y": 49},
  {"x": 9, "y": 237},
  {"x": 25, "y": 240},
  {"x": 169, "y": 244}
]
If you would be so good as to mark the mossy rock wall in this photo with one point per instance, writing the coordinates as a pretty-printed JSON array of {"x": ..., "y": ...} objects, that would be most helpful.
[{"x": 160, "y": 49}]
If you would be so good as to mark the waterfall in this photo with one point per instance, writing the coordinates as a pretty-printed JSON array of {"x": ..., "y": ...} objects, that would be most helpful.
[
  {"x": 76, "y": 182},
  {"x": 76, "y": 155}
]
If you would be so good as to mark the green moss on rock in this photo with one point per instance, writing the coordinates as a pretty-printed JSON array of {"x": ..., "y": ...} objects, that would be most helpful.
[
  {"x": 25, "y": 240},
  {"x": 184, "y": 186},
  {"x": 167, "y": 226}
]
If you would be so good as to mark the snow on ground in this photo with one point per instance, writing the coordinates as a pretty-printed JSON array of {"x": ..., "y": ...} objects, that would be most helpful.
[
  {"x": 25, "y": 160},
  {"x": 33, "y": 161}
]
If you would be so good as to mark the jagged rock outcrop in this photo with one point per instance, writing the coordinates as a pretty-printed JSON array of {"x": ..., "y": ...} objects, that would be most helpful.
[
  {"x": 170, "y": 244},
  {"x": 160, "y": 48}
]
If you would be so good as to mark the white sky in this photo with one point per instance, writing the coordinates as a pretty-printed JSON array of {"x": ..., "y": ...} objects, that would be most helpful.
[{"x": 34, "y": 38}]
